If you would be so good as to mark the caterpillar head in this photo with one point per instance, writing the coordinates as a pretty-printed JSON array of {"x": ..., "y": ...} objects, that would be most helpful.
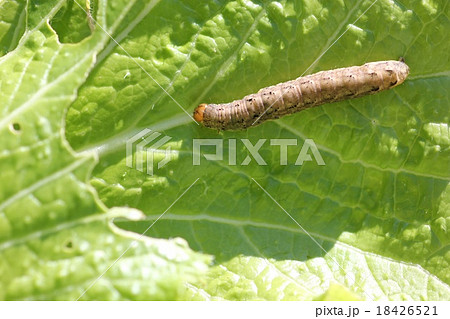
[{"x": 198, "y": 112}]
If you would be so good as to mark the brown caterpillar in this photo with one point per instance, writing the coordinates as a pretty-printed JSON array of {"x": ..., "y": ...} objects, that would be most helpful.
[{"x": 304, "y": 92}]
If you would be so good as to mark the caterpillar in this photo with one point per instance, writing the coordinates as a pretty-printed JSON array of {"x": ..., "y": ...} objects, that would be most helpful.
[{"x": 302, "y": 93}]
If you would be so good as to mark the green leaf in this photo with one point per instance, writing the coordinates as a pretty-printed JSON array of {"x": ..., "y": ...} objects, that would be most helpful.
[
  {"x": 57, "y": 240},
  {"x": 12, "y": 24},
  {"x": 337, "y": 293},
  {"x": 373, "y": 221}
]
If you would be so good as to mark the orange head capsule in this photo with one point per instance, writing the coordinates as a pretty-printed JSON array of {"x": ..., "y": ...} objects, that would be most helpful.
[{"x": 198, "y": 112}]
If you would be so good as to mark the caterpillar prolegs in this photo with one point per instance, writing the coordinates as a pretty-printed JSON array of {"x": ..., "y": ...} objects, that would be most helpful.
[{"x": 304, "y": 92}]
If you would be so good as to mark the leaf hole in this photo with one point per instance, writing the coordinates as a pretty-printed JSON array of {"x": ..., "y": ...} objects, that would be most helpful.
[
  {"x": 15, "y": 127},
  {"x": 68, "y": 245}
]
